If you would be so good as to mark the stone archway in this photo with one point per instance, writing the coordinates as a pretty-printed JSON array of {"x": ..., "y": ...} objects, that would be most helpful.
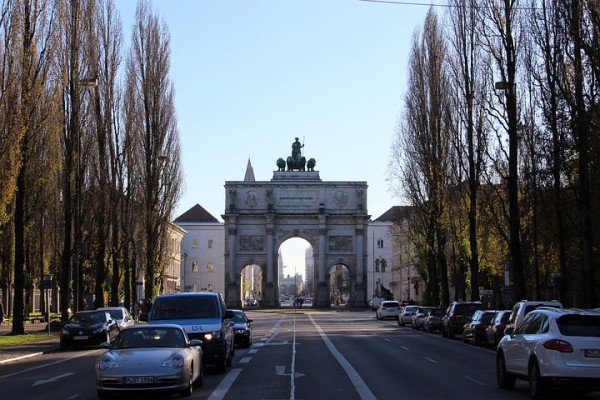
[{"x": 260, "y": 216}]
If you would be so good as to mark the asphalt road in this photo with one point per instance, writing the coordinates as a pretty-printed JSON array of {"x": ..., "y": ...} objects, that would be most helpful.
[{"x": 303, "y": 355}]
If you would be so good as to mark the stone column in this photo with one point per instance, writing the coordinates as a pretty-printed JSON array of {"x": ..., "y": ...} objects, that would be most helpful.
[
  {"x": 270, "y": 295},
  {"x": 322, "y": 295},
  {"x": 232, "y": 295}
]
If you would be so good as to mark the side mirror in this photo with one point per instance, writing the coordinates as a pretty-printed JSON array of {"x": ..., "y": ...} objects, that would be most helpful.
[
  {"x": 249, "y": 320},
  {"x": 195, "y": 343}
]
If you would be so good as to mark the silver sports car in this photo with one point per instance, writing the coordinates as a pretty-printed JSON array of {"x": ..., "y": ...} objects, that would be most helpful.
[{"x": 150, "y": 358}]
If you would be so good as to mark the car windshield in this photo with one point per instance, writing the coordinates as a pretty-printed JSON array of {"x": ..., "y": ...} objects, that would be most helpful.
[
  {"x": 579, "y": 325},
  {"x": 238, "y": 317},
  {"x": 88, "y": 318},
  {"x": 115, "y": 314},
  {"x": 487, "y": 318},
  {"x": 184, "y": 307},
  {"x": 390, "y": 304},
  {"x": 148, "y": 338},
  {"x": 461, "y": 309}
]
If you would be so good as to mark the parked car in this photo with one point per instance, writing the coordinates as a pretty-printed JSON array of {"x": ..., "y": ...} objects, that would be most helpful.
[
  {"x": 551, "y": 347},
  {"x": 88, "y": 328},
  {"x": 419, "y": 317},
  {"x": 204, "y": 316},
  {"x": 456, "y": 315},
  {"x": 388, "y": 309},
  {"x": 433, "y": 320},
  {"x": 406, "y": 315},
  {"x": 150, "y": 358},
  {"x": 242, "y": 328},
  {"x": 495, "y": 330},
  {"x": 474, "y": 329},
  {"x": 523, "y": 307},
  {"x": 121, "y": 315}
]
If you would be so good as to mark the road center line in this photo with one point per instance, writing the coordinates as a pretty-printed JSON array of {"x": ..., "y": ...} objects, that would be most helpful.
[
  {"x": 293, "y": 366},
  {"x": 359, "y": 384}
]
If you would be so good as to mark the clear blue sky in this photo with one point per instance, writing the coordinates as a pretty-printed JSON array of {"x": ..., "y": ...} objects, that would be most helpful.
[{"x": 251, "y": 75}]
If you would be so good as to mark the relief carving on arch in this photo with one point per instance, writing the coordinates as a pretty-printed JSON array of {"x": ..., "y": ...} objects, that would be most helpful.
[
  {"x": 251, "y": 243},
  {"x": 340, "y": 243}
]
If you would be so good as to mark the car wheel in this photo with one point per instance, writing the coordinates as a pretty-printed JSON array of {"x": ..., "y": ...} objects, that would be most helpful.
[
  {"x": 538, "y": 389},
  {"x": 465, "y": 338},
  {"x": 503, "y": 378},
  {"x": 102, "y": 394},
  {"x": 189, "y": 389},
  {"x": 221, "y": 366},
  {"x": 229, "y": 359},
  {"x": 199, "y": 382}
]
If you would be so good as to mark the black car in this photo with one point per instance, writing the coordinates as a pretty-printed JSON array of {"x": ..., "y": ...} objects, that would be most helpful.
[
  {"x": 456, "y": 317},
  {"x": 87, "y": 328},
  {"x": 242, "y": 328}
]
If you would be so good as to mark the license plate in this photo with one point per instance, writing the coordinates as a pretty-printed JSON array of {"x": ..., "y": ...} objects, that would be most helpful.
[
  {"x": 595, "y": 353},
  {"x": 80, "y": 338},
  {"x": 135, "y": 380}
]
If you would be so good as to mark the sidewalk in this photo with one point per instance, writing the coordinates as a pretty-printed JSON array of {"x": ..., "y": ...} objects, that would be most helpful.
[{"x": 15, "y": 353}]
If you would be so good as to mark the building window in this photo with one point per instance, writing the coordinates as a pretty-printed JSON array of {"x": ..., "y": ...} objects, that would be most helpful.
[
  {"x": 380, "y": 243},
  {"x": 210, "y": 244},
  {"x": 210, "y": 267},
  {"x": 376, "y": 265},
  {"x": 195, "y": 243},
  {"x": 194, "y": 266},
  {"x": 383, "y": 265}
]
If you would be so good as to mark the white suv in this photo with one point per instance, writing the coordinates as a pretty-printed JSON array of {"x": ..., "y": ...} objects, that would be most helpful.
[
  {"x": 551, "y": 347},
  {"x": 524, "y": 307}
]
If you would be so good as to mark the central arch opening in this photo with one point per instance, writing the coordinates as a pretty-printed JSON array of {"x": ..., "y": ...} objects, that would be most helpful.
[
  {"x": 295, "y": 265},
  {"x": 251, "y": 285}
]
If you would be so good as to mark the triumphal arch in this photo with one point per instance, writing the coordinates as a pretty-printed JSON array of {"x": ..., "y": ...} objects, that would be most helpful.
[{"x": 295, "y": 203}]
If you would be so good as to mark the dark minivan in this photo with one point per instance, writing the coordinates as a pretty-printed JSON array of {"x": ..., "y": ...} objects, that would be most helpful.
[{"x": 204, "y": 316}]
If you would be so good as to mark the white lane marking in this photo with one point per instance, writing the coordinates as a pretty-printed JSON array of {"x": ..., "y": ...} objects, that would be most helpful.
[
  {"x": 404, "y": 348},
  {"x": 21, "y": 357},
  {"x": 74, "y": 396},
  {"x": 431, "y": 359},
  {"x": 474, "y": 380},
  {"x": 359, "y": 384},
  {"x": 253, "y": 351},
  {"x": 44, "y": 365},
  {"x": 53, "y": 379},
  {"x": 245, "y": 360},
  {"x": 387, "y": 340},
  {"x": 221, "y": 390},
  {"x": 293, "y": 366}
]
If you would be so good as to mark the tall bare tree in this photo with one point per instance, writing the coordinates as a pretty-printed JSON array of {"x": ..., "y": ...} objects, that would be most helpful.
[
  {"x": 421, "y": 150},
  {"x": 467, "y": 62},
  {"x": 36, "y": 25},
  {"x": 500, "y": 35},
  {"x": 150, "y": 110}
]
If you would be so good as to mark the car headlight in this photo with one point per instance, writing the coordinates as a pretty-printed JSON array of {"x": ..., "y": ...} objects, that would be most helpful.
[
  {"x": 97, "y": 331},
  {"x": 65, "y": 332},
  {"x": 175, "y": 361},
  {"x": 212, "y": 335},
  {"x": 107, "y": 363}
]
